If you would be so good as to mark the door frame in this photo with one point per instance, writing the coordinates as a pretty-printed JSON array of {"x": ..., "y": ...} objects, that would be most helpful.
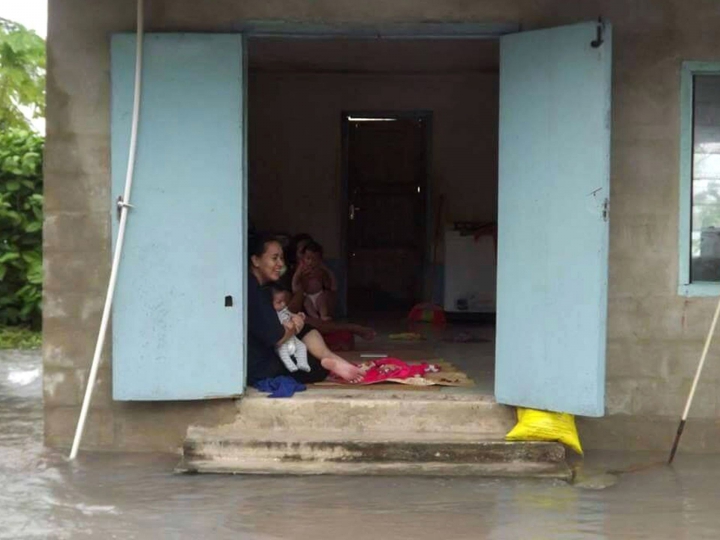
[
  {"x": 279, "y": 29},
  {"x": 413, "y": 114}
]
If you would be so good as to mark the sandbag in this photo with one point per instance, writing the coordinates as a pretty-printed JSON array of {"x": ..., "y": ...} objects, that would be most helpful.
[{"x": 534, "y": 425}]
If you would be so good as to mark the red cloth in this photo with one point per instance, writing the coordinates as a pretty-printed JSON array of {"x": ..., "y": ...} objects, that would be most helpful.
[{"x": 391, "y": 368}]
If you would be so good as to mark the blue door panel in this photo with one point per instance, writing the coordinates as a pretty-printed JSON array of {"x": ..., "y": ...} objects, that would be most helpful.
[
  {"x": 174, "y": 335},
  {"x": 554, "y": 171}
]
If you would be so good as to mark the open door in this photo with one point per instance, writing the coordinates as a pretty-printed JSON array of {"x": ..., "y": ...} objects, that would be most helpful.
[
  {"x": 178, "y": 318},
  {"x": 554, "y": 179}
]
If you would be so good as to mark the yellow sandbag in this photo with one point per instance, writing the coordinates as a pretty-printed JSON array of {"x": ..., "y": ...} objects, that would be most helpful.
[{"x": 545, "y": 426}]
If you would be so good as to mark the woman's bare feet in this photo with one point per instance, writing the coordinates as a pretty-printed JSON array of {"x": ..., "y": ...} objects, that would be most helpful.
[{"x": 343, "y": 369}]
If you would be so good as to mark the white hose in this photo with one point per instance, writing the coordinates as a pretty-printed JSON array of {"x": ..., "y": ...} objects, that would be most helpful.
[{"x": 123, "y": 206}]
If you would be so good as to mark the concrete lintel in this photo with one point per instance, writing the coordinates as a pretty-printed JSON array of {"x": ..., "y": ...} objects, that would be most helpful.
[{"x": 400, "y": 30}]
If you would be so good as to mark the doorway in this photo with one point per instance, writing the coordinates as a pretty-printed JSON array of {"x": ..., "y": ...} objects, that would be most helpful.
[
  {"x": 386, "y": 158},
  {"x": 499, "y": 156},
  {"x": 356, "y": 142}
]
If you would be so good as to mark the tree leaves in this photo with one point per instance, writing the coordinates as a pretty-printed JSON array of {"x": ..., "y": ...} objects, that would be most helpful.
[
  {"x": 22, "y": 75},
  {"x": 21, "y": 219}
]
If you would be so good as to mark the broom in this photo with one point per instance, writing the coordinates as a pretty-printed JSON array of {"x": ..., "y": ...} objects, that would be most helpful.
[
  {"x": 688, "y": 403},
  {"x": 429, "y": 311}
]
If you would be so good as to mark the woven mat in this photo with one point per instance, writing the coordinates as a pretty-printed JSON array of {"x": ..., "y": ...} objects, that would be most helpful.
[{"x": 449, "y": 375}]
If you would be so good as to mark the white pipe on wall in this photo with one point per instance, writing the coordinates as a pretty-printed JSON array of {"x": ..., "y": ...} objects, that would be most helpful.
[{"x": 123, "y": 206}]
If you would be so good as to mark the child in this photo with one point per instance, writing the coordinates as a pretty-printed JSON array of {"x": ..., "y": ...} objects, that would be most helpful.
[
  {"x": 293, "y": 348},
  {"x": 316, "y": 281}
]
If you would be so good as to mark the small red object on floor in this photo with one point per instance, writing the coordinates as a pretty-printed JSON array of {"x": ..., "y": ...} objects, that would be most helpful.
[
  {"x": 340, "y": 340},
  {"x": 428, "y": 313}
]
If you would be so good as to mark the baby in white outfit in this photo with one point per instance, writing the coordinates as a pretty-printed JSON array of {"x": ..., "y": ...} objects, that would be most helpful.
[{"x": 293, "y": 352}]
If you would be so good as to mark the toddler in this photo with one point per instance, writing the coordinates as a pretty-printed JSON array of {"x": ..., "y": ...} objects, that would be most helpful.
[{"x": 316, "y": 281}]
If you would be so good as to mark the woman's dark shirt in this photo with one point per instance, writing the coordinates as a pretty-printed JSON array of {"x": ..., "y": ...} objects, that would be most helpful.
[{"x": 264, "y": 331}]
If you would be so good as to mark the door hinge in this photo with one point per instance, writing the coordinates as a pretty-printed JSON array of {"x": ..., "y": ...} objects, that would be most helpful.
[{"x": 605, "y": 209}]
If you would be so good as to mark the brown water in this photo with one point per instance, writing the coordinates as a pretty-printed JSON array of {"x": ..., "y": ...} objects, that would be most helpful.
[{"x": 138, "y": 497}]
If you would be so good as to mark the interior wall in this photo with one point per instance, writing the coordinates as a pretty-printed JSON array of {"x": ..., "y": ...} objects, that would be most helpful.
[{"x": 295, "y": 143}]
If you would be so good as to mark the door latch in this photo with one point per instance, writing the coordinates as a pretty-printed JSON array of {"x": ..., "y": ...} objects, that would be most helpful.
[
  {"x": 353, "y": 209},
  {"x": 605, "y": 209}
]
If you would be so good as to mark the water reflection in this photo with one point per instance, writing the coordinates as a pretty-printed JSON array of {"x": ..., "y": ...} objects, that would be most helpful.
[{"x": 132, "y": 496}]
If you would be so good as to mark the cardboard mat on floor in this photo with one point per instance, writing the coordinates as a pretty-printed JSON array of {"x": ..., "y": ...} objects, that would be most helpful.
[{"x": 449, "y": 375}]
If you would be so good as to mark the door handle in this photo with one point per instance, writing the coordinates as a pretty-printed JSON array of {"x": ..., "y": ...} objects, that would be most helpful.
[{"x": 353, "y": 209}]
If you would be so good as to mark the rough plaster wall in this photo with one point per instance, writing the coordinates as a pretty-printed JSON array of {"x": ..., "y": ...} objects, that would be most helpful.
[
  {"x": 654, "y": 336},
  {"x": 295, "y": 141}
]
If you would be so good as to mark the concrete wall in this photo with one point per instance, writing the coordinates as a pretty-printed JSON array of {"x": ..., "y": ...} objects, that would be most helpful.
[
  {"x": 295, "y": 153},
  {"x": 654, "y": 336}
]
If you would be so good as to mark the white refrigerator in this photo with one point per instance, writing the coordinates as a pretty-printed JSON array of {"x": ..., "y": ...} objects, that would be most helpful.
[{"x": 470, "y": 270}]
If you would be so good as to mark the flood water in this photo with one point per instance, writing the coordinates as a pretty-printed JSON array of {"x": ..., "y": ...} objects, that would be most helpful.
[{"x": 132, "y": 496}]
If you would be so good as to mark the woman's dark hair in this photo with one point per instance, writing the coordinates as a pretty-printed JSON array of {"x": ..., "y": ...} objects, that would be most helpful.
[
  {"x": 314, "y": 247},
  {"x": 290, "y": 256},
  {"x": 257, "y": 244}
]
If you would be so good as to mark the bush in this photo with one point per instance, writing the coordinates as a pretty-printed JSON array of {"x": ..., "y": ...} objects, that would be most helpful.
[
  {"x": 19, "y": 337},
  {"x": 20, "y": 227}
]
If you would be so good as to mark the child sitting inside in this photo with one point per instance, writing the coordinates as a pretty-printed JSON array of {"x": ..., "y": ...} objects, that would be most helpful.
[
  {"x": 293, "y": 350},
  {"x": 316, "y": 281}
]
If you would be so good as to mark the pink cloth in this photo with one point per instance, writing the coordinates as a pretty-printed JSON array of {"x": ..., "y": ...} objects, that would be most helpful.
[{"x": 392, "y": 368}]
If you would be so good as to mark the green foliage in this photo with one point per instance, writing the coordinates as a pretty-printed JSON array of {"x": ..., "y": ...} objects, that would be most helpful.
[
  {"x": 20, "y": 227},
  {"x": 22, "y": 75},
  {"x": 18, "y": 337}
]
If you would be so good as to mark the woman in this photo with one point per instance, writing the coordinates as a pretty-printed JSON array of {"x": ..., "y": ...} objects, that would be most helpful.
[{"x": 265, "y": 332}]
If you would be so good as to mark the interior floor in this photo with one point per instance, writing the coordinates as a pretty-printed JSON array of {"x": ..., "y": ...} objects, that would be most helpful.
[{"x": 469, "y": 346}]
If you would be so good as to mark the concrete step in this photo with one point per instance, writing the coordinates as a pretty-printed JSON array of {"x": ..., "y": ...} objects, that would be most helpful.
[
  {"x": 370, "y": 432},
  {"x": 354, "y": 412},
  {"x": 389, "y": 453}
]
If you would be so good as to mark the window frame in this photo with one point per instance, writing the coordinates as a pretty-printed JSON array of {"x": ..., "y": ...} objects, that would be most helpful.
[{"x": 686, "y": 287}]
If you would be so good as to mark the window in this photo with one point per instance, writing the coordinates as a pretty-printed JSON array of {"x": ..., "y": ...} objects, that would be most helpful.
[{"x": 700, "y": 179}]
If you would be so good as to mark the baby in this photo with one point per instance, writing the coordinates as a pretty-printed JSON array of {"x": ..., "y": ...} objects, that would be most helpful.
[
  {"x": 293, "y": 350},
  {"x": 316, "y": 281}
]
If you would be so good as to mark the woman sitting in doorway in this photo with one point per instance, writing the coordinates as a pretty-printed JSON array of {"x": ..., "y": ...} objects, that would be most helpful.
[
  {"x": 266, "y": 332},
  {"x": 294, "y": 256}
]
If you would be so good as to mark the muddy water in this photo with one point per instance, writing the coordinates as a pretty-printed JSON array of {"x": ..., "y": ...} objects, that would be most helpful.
[{"x": 137, "y": 496}]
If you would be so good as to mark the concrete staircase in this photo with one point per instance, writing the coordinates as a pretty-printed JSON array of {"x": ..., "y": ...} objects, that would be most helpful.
[{"x": 370, "y": 432}]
